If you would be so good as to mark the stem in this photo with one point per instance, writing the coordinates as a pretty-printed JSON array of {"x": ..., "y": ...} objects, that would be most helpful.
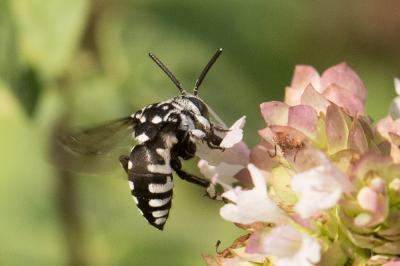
[{"x": 70, "y": 218}]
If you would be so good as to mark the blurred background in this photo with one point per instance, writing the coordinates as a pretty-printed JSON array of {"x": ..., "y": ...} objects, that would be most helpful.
[{"x": 87, "y": 61}]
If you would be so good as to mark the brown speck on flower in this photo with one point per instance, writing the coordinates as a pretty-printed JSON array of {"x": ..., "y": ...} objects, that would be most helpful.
[{"x": 239, "y": 242}]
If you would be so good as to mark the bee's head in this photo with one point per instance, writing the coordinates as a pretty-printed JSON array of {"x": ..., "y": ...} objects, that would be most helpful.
[
  {"x": 199, "y": 104},
  {"x": 197, "y": 101}
]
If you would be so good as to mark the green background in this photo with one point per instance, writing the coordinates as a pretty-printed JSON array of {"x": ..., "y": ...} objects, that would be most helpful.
[{"x": 87, "y": 60}]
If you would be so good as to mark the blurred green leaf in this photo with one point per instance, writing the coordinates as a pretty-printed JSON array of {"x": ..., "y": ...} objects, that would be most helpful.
[
  {"x": 8, "y": 50},
  {"x": 23, "y": 82},
  {"x": 29, "y": 231},
  {"x": 49, "y": 32},
  {"x": 28, "y": 89}
]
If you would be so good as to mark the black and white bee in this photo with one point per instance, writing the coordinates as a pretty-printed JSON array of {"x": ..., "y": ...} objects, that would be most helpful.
[{"x": 165, "y": 132}]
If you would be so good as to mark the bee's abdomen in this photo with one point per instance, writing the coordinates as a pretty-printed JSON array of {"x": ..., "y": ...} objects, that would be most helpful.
[
  {"x": 150, "y": 180},
  {"x": 152, "y": 194}
]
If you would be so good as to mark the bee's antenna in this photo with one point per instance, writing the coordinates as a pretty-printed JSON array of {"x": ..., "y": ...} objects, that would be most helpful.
[
  {"x": 168, "y": 72},
  {"x": 205, "y": 71}
]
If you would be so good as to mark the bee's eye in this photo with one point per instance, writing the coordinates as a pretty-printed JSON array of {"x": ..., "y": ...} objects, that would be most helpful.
[{"x": 200, "y": 105}]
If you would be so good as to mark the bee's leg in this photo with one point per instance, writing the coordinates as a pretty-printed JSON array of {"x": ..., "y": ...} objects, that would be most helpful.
[
  {"x": 214, "y": 141},
  {"x": 177, "y": 166},
  {"x": 188, "y": 149},
  {"x": 192, "y": 178},
  {"x": 211, "y": 145},
  {"x": 124, "y": 159},
  {"x": 220, "y": 129}
]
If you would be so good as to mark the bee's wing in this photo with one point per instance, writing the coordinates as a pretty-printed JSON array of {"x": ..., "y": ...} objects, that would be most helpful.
[
  {"x": 215, "y": 118},
  {"x": 95, "y": 150},
  {"x": 220, "y": 128}
]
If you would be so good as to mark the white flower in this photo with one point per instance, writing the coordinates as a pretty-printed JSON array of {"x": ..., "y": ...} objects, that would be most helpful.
[
  {"x": 287, "y": 246},
  {"x": 221, "y": 166},
  {"x": 395, "y": 107},
  {"x": 236, "y": 151},
  {"x": 253, "y": 205},
  {"x": 223, "y": 172},
  {"x": 320, "y": 188}
]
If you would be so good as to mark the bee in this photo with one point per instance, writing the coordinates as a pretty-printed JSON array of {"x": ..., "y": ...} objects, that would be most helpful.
[{"x": 166, "y": 133}]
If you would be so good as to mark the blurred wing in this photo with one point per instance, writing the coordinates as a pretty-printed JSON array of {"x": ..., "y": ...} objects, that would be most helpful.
[
  {"x": 95, "y": 150},
  {"x": 215, "y": 119}
]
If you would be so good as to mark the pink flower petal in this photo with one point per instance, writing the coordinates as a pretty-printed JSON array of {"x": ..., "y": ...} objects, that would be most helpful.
[
  {"x": 235, "y": 134},
  {"x": 384, "y": 126},
  {"x": 267, "y": 136},
  {"x": 314, "y": 99},
  {"x": 292, "y": 96},
  {"x": 261, "y": 157},
  {"x": 343, "y": 76},
  {"x": 393, "y": 263},
  {"x": 370, "y": 162},
  {"x": 303, "y": 76},
  {"x": 357, "y": 139},
  {"x": 275, "y": 113},
  {"x": 336, "y": 129},
  {"x": 368, "y": 199},
  {"x": 346, "y": 99},
  {"x": 303, "y": 118}
]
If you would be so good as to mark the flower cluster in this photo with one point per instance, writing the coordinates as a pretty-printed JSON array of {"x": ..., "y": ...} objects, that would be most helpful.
[{"x": 323, "y": 185}]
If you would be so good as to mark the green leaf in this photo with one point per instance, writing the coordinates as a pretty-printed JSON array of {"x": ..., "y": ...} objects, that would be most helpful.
[
  {"x": 49, "y": 32},
  {"x": 334, "y": 256},
  {"x": 9, "y": 58},
  {"x": 28, "y": 89}
]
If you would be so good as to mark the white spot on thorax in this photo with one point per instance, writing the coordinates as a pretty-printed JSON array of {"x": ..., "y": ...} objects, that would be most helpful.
[
  {"x": 161, "y": 188},
  {"x": 165, "y": 107},
  {"x": 159, "y": 202},
  {"x": 142, "y": 138},
  {"x": 156, "y": 119},
  {"x": 130, "y": 165},
  {"x": 143, "y": 119},
  {"x": 160, "y": 213}
]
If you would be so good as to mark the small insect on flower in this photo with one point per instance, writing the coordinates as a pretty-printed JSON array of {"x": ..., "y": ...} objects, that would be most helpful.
[
  {"x": 165, "y": 132},
  {"x": 289, "y": 141}
]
